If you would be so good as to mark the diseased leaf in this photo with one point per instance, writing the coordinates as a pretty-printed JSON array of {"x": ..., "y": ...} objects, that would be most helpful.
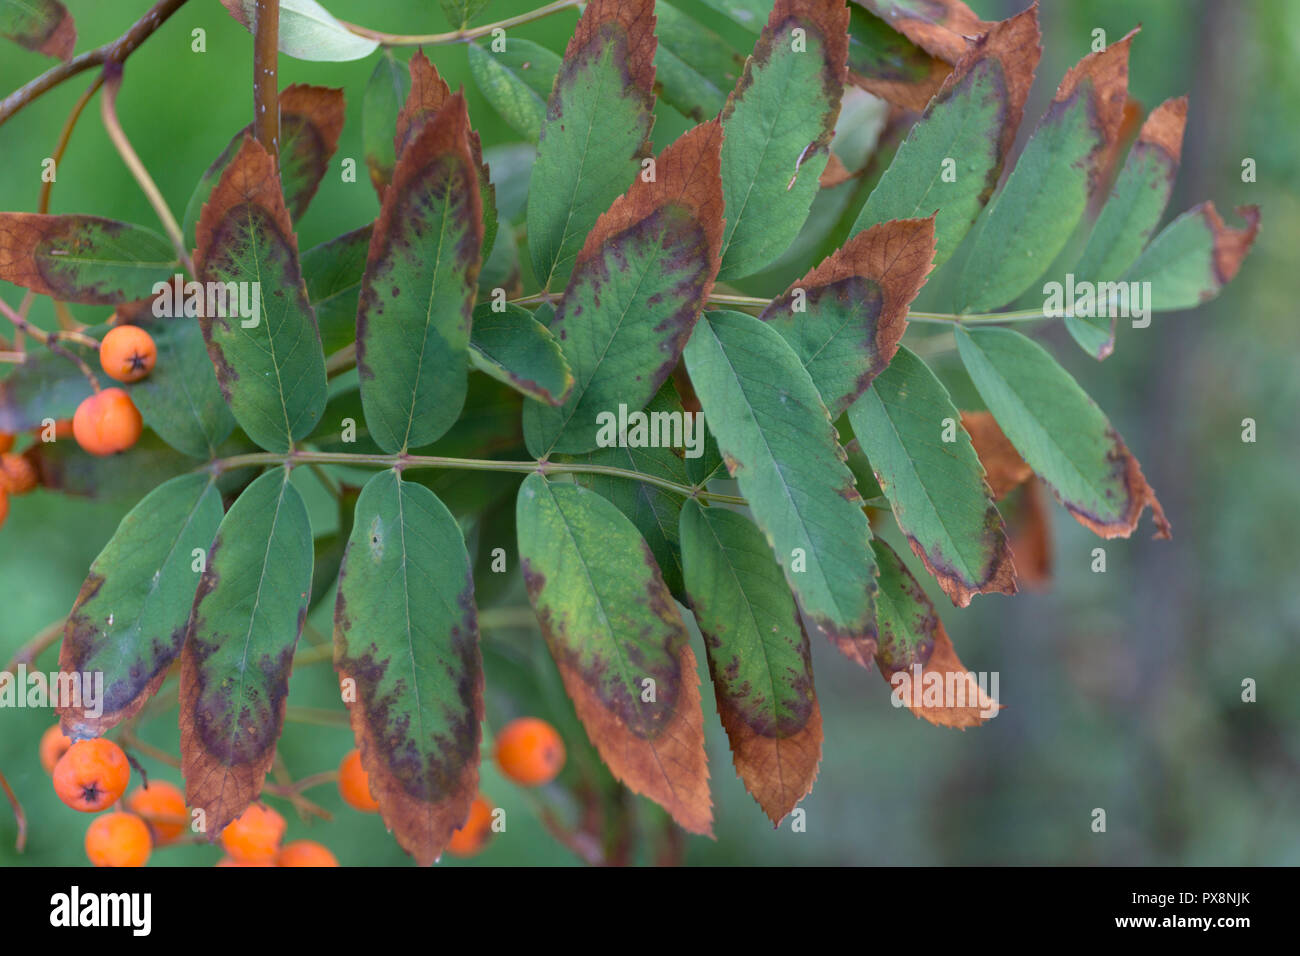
[
  {"x": 129, "y": 620},
  {"x": 517, "y": 81},
  {"x": 45, "y": 385},
  {"x": 1129, "y": 218},
  {"x": 83, "y": 259},
  {"x": 695, "y": 68},
  {"x": 1029, "y": 530},
  {"x": 1004, "y": 469},
  {"x": 1194, "y": 257},
  {"x": 1059, "y": 431},
  {"x": 758, "y": 653},
  {"x": 750, "y": 14},
  {"x": 63, "y": 467},
  {"x": 972, "y": 123},
  {"x": 385, "y": 93},
  {"x": 406, "y": 639},
  {"x": 844, "y": 319},
  {"x": 778, "y": 442},
  {"x": 1032, "y": 218},
  {"x": 243, "y": 630},
  {"x": 417, "y": 296},
  {"x": 917, "y": 658},
  {"x": 638, "y": 285},
  {"x": 940, "y": 27},
  {"x": 596, "y": 132},
  {"x": 44, "y": 26},
  {"x": 307, "y": 31},
  {"x": 515, "y": 348},
  {"x": 611, "y": 626},
  {"x": 269, "y": 365},
  {"x": 332, "y": 273},
  {"x": 889, "y": 65},
  {"x": 777, "y": 125},
  {"x": 935, "y": 486}
]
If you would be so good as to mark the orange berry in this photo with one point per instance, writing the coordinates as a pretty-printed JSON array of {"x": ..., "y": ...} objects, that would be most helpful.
[
  {"x": 529, "y": 751},
  {"x": 474, "y": 833},
  {"x": 17, "y": 474},
  {"x": 92, "y": 775},
  {"x": 54, "y": 744},
  {"x": 306, "y": 853},
  {"x": 162, "y": 805},
  {"x": 354, "y": 785},
  {"x": 6, "y": 442},
  {"x": 118, "y": 839},
  {"x": 255, "y": 837},
  {"x": 107, "y": 422},
  {"x": 127, "y": 353}
]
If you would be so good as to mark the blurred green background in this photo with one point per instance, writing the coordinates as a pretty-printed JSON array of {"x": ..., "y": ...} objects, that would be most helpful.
[{"x": 1123, "y": 689}]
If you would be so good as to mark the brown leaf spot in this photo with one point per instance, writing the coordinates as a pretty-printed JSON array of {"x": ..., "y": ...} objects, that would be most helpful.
[
  {"x": 940, "y": 27},
  {"x": 1230, "y": 245}
]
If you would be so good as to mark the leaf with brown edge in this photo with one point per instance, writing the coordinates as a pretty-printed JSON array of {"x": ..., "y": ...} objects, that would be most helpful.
[
  {"x": 43, "y": 26},
  {"x": 615, "y": 632},
  {"x": 1194, "y": 257},
  {"x": 1004, "y": 469},
  {"x": 940, "y": 27},
  {"x": 406, "y": 643},
  {"x": 636, "y": 292},
  {"x": 239, "y": 645},
  {"x": 887, "y": 64},
  {"x": 845, "y": 318},
  {"x": 1029, "y": 530},
  {"x": 758, "y": 654},
  {"x": 916, "y": 656}
]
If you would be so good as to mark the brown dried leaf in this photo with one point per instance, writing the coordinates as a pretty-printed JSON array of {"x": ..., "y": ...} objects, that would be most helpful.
[{"x": 1004, "y": 468}]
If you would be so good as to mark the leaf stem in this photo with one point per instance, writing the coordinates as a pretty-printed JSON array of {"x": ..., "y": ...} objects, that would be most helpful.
[
  {"x": 51, "y": 341},
  {"x": 21, "y": 817},
  {"x": 108, "y": 110},
  {"x": 464, "y": 34}
]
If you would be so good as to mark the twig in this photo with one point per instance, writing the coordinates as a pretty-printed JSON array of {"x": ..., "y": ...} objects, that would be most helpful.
[
  {"x": 266, "y": 91},
  {"x": 21, "y": 843},
  {"x": 118, "y": 50},
  {"x": 51, "y": 341},
  {"x": 129, "y": 738},
  {"x": 464, "y": 33}
]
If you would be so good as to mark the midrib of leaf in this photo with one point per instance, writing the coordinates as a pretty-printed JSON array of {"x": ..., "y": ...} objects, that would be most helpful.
[
  {"x": 270, "y": 335},
  {"x": 428, "y": 313},
  {"x": 410, "y": 637}
]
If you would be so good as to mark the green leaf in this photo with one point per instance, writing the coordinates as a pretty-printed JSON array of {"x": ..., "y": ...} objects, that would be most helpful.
[
  {"x": 777, "y": 440},
  {"x": 44, "y": 26},
  {"x": 417, "y": 296},
  {"x": 1059, "y": 431},
  {"x": 65, "y": 468},
  {"x": 611, "y": 626},
  {"x": 750, "y": 14},
  {"x": 517, "y": 81},
  {"x": 1032, "y": 218},
  {"x": 637, "y": 289},
  {"x": 129, "y": 620},
  {"x": 758, "y": 653},
  {"x": 180, "y": 399},
  {"x": 307, "y": 31},
  {"x": 940, "y": 27},
  {"x": 889, "y": 65},
  {"x": 45, "y": 385},
  {"x": 695, "y": 68},
  {"x": 778, "y": 124},
  {"x": 953, "y": 156},
  {"x": 1129, "y": 218},
  {"x": 844, "y": 319},
  {"x": 269, "y": 365},
  {"x": 332, "y": 272},
  {"x": 1194, "y": 257},
  {"x": 935, "y": 486},
  {"x": 406, "y": 638},
  {"x": 83, "y": 259},
  {"x": 385, "y": 93},
  {"x": 460, "y": 12},
  {"x": 515, "y": 348},
  {"x": 243, "y": 629},
  {"x": 596, "y": 132}
]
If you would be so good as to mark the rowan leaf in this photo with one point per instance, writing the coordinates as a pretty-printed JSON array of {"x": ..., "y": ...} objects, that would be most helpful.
[
  {"x": 940, "y": 27},
  {"x": 695, "y": 68},
  {"x": 1029, "y": 531},
  {"x": 515, "y": 348},
  {"x": 243, "y": 630},
  {"x": 386, "y": 91},
  {"x": 758, "y": 654},
  {"x": 64, "y": 468},
  {"x": 638, "y": 285},
  {"x": 777, "y": 440},
  {"x": 46, "y": 386},
  {"x": 332, "y": 272},
  {"x": 777, "y": 127},
  {"x": 517, "y": 81},
  {"x": 1031, "y": 219},
  {"x": 889, "y": 65},
  {"x": 44, "y": 26},
  {"x": 750, "y": 14},
  {"x": 619, "y": 642},
  {"x": 460, "y": 12},
  {"x": 417, "y": 296},
  {"x": 844, "y": 319},
  {"x": 83, "y": 259},
  {"x": 406, "y": 643},
  {"x": 916, "y": 656},
  {"x": 1129, "y": 217},
  {"x": 935, "y": 486},
  {"x": 129, "y": 620},
  {"x": 1059, "y": 431},
  {"x": 953, "y": 155},
  {"x": 1194, "y": 257},
  {"x": 269, "y": 365},
  {"x": 1004, "y": 469},
  {"x": 597, "y": 131},
  {"x": 307, "y": 31}
]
